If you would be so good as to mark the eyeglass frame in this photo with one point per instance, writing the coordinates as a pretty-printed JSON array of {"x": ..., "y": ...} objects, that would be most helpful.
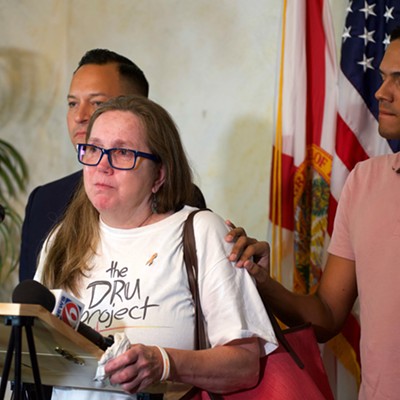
[{"x": 104, "y": 151}]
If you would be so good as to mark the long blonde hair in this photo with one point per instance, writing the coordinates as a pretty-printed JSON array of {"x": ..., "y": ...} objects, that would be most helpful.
[{"x": 76, "y": 236}]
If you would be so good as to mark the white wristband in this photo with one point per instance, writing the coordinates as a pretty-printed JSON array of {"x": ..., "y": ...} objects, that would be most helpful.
[{"x": 166, "y": 364}]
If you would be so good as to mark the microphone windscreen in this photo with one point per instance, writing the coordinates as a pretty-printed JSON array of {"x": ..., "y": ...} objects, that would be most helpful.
[
  {"x": 30, "y": 291},
  {"x": 60, "y": 304}
]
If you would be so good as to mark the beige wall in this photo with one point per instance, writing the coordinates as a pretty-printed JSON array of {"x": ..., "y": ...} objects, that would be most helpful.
[{"x": 210, "y": 63}]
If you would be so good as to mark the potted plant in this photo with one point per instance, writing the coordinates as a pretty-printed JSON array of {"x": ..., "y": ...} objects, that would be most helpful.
[{"x": 13, "y": 180}]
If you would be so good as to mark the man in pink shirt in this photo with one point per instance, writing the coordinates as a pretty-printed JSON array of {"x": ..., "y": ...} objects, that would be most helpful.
[{"x": 363, "y": 259}]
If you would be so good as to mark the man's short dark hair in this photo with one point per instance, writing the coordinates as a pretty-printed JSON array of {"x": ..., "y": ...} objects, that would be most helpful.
[{"x": 129, "y": 71}]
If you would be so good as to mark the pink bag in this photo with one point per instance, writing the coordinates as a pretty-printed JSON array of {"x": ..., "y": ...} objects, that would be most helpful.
[
  {"x": 294, "y": 371},
  {"x": 281, "y": 378}
]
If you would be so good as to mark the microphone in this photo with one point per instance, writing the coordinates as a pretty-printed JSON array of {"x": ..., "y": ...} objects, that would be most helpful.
[
  {"x": 33, "y": 292},
  {"x": 62, "y": 305},
  {"x": 103, "y": 342}
]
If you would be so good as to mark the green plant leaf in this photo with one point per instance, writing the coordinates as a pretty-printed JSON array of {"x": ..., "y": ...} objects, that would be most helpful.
[
  {"x": 13, "y": 179},
  {"x": 13, "y": 170}
]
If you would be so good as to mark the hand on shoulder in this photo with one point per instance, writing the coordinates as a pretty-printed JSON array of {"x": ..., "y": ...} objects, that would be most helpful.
[{"x": 249, "y": 253}]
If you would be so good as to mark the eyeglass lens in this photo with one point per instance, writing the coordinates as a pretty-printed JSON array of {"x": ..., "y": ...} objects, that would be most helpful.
[{"x": 118, "y": 158}]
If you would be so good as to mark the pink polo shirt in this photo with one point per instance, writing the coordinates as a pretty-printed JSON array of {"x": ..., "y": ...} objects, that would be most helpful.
[{"x": 367, "y": 230}]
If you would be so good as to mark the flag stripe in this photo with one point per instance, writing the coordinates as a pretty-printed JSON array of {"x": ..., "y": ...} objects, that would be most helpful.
[
  {"x": 359, "y": 119},
  {"x": 285, "y": 218},
  {"x": 315, "y": 49},
  {"x": 348, "y": 148}
]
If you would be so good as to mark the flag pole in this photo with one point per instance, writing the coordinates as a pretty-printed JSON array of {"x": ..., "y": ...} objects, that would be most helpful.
[{"x": 276, "y": 213}]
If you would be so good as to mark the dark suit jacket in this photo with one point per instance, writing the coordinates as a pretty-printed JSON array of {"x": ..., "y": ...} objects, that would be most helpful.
[{"x": 46, "y": 206}]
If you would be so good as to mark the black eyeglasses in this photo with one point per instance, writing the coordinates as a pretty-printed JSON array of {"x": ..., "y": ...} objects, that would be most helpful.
[{"x": 119, "y": 158}]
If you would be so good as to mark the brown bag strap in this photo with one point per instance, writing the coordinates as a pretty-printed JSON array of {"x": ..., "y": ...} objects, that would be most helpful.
[{"x": 190, "y": 257}]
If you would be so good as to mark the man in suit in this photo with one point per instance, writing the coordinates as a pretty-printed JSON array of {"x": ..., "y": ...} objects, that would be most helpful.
[{"x": 101, "y": 74}]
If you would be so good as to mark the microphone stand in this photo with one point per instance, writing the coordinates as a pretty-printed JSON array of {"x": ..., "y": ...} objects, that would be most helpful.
[{"x": 15, "y": 346}]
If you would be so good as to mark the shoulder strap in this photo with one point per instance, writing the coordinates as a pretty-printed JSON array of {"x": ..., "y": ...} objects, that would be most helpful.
[{"x": 190, "y": 257}]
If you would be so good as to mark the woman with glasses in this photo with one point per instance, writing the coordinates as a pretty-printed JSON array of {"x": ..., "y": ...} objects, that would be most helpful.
[{"x": 119, "y": 250}]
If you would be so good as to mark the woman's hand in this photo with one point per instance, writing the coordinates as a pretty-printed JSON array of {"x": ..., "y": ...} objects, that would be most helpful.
[
  {"x": 136, "y": 369},
  {"x": 249, "y": 253}
]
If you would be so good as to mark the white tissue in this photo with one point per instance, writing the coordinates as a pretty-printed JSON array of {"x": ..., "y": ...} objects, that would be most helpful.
[{"x": 121, "y": 344}]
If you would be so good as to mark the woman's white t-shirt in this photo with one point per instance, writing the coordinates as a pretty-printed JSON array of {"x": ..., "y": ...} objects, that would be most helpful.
[{"x": 138, "y": 284}]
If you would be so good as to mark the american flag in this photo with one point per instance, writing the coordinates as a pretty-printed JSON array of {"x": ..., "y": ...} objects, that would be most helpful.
[{"x": 364, "y": 40}]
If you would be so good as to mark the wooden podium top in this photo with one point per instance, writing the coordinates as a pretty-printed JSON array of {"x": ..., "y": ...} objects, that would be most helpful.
[{"x": 65, "y": 357}]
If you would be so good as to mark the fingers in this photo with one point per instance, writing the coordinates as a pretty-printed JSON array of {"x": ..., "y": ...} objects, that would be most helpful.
[
  {"x": 239, "y": 238},
  {"x": 242, "y": 250},
  {"x": 123, "y": 371},
  {"x": 253, "y": 250},
  {"x": 259, "y": 273},
  {"x": 136, "y": 369},
  {"x": 121, "y": 361},
  {"x": 230, "y": 224},
  {"x": 234, "y": 233}
]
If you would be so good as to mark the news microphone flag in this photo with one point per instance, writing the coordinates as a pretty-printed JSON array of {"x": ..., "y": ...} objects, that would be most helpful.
[{"x": 67, "y": 308}]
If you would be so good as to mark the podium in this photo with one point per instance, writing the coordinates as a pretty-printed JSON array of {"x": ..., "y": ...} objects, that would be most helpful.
[{"x": 64, "y": 357}]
